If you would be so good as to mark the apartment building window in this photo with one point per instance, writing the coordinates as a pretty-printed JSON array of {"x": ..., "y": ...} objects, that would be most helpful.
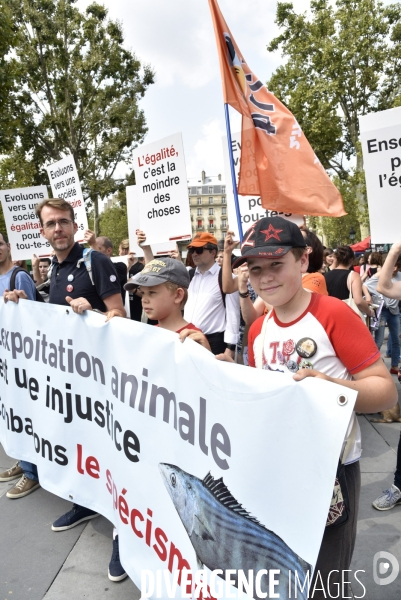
[
  {"x": 199, "y": 191},
  {"x": 223, "y": 199},
  {"x": 199, "y": 223},
  {"x": 211, "y": 211},
  {"x": 223, "y": 235},
  {"x": 224, "y": 222},
  {"x": 224, "y": 210},
  {"x": 210, "y": 190},
  {"x": 210, "y": 200},
  {"x": 199, "y": 212},
  {"x": 211, "y": 224},
  {"x": 199, "y": 200},
  {"x": 223, "y": 189}
]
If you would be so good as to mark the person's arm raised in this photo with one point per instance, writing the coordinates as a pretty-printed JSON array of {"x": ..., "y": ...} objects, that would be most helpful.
[
  {"x": 147, "y": 250},
  {"x": 35, "y": 269},
  {"x": 229, "y": 284},
  {"x": 385, "y": 286},
  {"x": 90, "y": 239}
]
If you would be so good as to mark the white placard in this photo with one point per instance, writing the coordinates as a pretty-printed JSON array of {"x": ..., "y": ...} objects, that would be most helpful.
[
  {"x": 23, "y": 227},
  {"x": 134, "y": 224},
  {"x": 381, "y": 147},
  {"x": 251, "y": 208},
  {"x": 162, "y": 190},
  {"x": 64, "y": 181}
]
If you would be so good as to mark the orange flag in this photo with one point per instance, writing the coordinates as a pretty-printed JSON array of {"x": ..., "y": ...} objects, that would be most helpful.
[{"x": 277, "y": 161}]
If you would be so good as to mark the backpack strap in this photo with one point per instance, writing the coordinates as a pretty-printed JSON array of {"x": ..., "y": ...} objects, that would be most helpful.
[
  {"x": 14, "y": 277},
  {"x": 87, "y": 260},
  {"x": 220, "y": 280}
]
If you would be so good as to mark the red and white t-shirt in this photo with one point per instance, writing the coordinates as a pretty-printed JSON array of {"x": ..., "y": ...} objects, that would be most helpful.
[{"x": 328, "y": 337}]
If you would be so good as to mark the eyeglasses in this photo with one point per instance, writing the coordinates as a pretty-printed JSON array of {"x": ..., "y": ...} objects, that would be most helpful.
[
  {"x": 64, "y": 223},
  {"x": 199, "y": 250}
]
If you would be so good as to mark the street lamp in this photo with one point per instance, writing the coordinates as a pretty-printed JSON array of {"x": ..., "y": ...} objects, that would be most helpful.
[{"x": 352, "y": 234}]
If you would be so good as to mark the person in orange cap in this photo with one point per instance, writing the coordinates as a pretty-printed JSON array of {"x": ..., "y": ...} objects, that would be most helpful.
[{"x": 212, "y": 311}]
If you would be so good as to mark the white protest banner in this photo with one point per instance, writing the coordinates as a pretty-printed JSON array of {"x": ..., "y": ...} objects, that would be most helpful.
[
  {"x": 134, "y": 224},
  {"x": 23, "y": 227},
  {"x": 161, "y": 180},
  {"x": 64, "y": 181},
  {"x": 251, "y": 208},
  {"x": 380, "y": 135},
  {"x": 125, "y": 419}
]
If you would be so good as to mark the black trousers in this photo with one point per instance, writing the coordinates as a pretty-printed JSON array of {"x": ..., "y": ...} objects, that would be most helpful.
[
  {"x": 217, "y": 343},
  {"x": 338, "y": 543}
]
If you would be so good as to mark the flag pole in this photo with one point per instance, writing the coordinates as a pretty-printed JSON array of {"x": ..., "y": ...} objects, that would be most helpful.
[{"x": 230, "y": 154}]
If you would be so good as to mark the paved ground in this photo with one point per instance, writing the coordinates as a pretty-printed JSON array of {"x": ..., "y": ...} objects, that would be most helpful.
[{"x": 37, "y": 563}]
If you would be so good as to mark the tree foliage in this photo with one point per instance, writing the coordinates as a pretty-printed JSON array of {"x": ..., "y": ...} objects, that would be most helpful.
[
  {"x": 114, "y": 224},
  {"x": 343, "y": 61},
  {"x": 78, "y": 90},
  {"x": 7, "y": 40}
]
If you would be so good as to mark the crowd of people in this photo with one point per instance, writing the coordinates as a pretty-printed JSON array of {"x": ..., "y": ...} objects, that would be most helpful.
[{"x": 279, "y": 306}]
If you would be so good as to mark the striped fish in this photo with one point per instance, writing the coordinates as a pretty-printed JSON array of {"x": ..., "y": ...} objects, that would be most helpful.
[{"x": 225, "y": 536}]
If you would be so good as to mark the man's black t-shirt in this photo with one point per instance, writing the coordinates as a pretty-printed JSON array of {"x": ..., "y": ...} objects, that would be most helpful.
[
  {"x": 69, "y": 280},
  {"x": 121, "y": 270},
  {"x": 135, "y": 303}
]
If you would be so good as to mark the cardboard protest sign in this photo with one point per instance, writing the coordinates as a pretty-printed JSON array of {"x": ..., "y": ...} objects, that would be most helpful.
[
  {"x": 134, "y": 224},
  {"x": 251, "y": 208},
  {"x": 64, "y": 181},
  {"x": 380, "y": 135},
  {"x": 162, "y": 190},
  {"x": 185, "y": 454},
  {"x": 23, "y": 227}
]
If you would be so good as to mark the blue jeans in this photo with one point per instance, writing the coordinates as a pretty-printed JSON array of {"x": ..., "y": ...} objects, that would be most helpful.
[
  {"x": 30, "y": 470},
  {"x": 388, "y": 352},
  {"x": 393, "y": 322}
]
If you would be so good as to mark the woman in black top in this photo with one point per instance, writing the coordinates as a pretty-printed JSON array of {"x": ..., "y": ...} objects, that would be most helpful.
[
  {"x": 340, "y": 278},
  {"x": 375, "y": 260}
]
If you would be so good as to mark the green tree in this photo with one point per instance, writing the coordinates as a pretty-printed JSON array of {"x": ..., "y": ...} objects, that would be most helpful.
[
  {"x": 343, "y": 61},
  {"x": 78, "y": 92},
  {"x": 7, "y": 39},
  {"x": 114, "y": 224}
]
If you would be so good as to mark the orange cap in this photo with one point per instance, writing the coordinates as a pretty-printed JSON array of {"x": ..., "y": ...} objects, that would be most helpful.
[{"x": 201, "y": 239}]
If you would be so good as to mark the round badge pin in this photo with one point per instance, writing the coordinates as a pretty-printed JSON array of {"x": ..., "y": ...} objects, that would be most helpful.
[
  {"x": 306, "y": 347},
  {"x": 292, "y": 366},
  {"x": 305, "y": 364},
  {"x": 69, "y": 288},
  {"x": 70, "y": 278},
  {"x": 113, "y": 278}
]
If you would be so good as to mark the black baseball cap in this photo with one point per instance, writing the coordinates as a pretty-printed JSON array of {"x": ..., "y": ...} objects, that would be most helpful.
[
  {"x": 269, "y": 238},
  {"x": 160, "y": 270}
]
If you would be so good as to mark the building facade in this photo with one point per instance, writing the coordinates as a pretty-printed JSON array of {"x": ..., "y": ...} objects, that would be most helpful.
[{"x": 208, "y": 205}]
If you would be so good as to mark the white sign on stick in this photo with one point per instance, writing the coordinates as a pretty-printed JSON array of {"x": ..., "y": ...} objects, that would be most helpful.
[
  {"x": 251, "y": 208},
  {"x": 65, "y": 184},
  {"x": 161, "y": 180},
  {"x": 134, "y": 224},
  {"x": 23, "y": 227},
  {"x": 381, "y": 148}
]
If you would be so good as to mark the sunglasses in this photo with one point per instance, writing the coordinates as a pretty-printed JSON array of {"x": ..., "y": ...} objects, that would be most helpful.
[{"x": 199, "y": 250}]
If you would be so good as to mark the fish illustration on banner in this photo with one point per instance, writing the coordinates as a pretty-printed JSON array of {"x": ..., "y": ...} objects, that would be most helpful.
[
  {"x": 225, "y": 536},
  {"x": 277, "y": 161}
]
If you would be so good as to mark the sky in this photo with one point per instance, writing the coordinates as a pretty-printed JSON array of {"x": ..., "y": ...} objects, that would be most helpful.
[{"x": 176, "y": 38}]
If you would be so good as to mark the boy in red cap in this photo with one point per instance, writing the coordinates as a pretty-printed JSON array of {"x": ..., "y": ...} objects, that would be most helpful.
[{"x": 312, "y": 335}]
